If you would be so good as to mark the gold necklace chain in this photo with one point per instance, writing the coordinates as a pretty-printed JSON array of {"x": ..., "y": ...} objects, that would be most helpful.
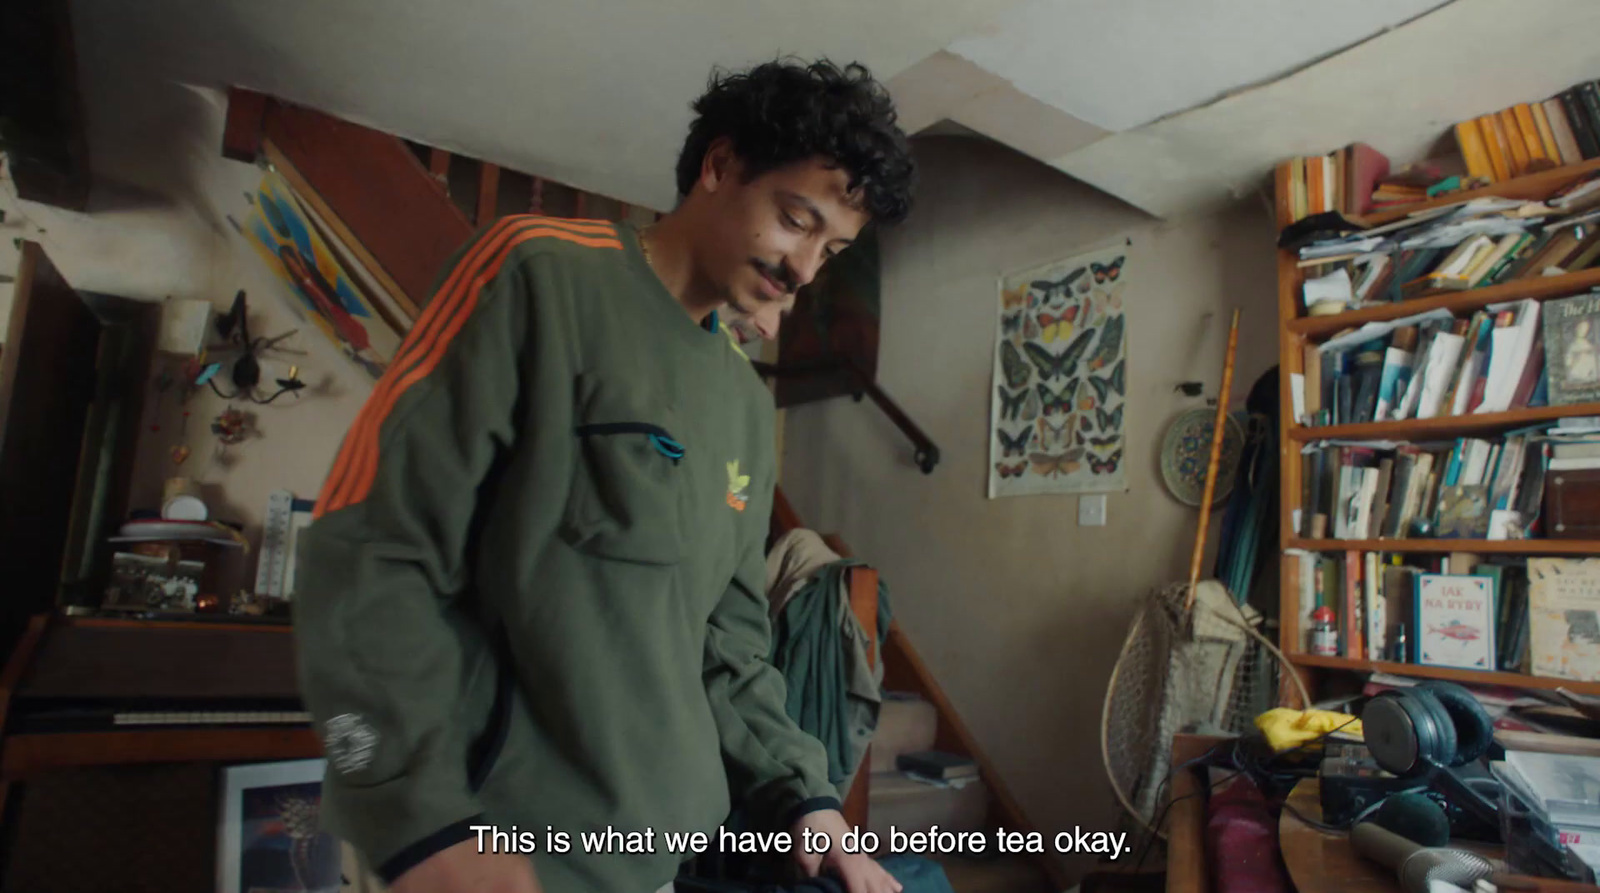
[{"x": 644, "y": 246}]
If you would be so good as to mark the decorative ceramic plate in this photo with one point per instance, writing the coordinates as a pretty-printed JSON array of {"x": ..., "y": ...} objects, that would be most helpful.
[
  {"x": 147, "y": 530},
  {"x": 1186, "y": 452}
]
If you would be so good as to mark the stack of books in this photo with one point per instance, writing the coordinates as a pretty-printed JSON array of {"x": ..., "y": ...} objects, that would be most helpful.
[
  {"x": 938, "y": 767},
  {"x": 1343, "y": 181},
  {"x": 1533, "y": 136},
  {"x": 1523, "y": 139},
  {"x": 1466, "y": 245}
]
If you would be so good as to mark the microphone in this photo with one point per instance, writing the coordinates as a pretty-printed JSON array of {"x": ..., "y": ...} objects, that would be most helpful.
[
  {"x": 1416, "y": 865},
  {"x": 1414, "y": 817}
]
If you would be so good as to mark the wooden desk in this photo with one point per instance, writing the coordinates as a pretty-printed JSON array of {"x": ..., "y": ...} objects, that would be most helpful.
[
  {"x": 1186, "y": 819},
  {"x": 1318, "y": 861},
  {"x": 1325, "y": 860}
]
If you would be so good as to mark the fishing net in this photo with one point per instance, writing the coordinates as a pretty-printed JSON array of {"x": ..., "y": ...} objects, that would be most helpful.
[{"x": 1206, "y": 670}]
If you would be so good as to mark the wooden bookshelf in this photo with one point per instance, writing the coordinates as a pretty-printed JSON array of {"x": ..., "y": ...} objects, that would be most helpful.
[
  {"x": 1442, "y": 427},
  {"x": 1436, "y": 546},
  {"x": 1539, "y": 288},
  {"x": 1532, "y": 187},
  {"x": 1296, "y": 332},
  {"x": 1453, "y": 674}
]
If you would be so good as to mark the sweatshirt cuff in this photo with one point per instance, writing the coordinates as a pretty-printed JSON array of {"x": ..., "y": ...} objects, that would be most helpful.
[
  {"x": 400, "y": 822},
  {"x": 808, "y": 806},
  {"x": 410, "y": 856}
]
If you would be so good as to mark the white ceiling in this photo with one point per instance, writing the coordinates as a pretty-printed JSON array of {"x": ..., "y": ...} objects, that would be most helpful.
[
  {"x": 1120, "y": 65},
  {"x": 1402, "y": 92},
  {"x": 1171, "y": 105},
  {"x": 594, "y": 93}
]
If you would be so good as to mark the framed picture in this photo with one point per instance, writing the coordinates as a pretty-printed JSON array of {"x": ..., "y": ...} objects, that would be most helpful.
[
  {"x": 270, "y": 839},
  {"x": 319, "y": 289},
  {"x": 148, "y": 582}
]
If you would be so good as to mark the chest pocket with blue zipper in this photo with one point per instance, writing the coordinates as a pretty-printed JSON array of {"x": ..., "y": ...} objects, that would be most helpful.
[{"x": 626, "y": 501}]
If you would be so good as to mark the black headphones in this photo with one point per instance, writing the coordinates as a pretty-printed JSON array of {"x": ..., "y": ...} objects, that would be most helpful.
[{"x": 1426, "y": 730}]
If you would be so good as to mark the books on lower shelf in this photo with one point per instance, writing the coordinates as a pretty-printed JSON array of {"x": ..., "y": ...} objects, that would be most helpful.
[
  {"x": 1518, "y": 355},
  {"x": 1537, "y": 615},
  {"x": 1468, "y": 488}
]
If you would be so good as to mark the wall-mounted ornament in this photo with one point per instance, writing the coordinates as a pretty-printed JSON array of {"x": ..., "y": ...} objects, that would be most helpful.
[
  {"x": 245, "y": 371},
  {"x": 1186, "y": 452},
  {"x": 231, "y": 427},
  {"x": 315, "y": 282}
]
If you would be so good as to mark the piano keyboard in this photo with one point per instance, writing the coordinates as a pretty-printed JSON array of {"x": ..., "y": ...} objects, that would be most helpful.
[{"x": 211, "y": 718}]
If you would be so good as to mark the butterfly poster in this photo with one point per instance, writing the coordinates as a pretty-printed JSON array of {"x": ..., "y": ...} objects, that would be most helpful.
[{"x": 1056, "y": 408}]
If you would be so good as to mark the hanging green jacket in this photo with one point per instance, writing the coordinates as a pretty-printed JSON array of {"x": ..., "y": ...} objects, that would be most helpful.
[
  {"x": 835, "y": 690},
  {"x": 533, "y": 591}
]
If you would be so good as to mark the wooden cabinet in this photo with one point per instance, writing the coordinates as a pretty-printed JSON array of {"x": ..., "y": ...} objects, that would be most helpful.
[{"x": 72, "y": 383}]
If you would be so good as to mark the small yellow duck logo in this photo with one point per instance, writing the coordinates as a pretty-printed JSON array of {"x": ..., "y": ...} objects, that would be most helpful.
[{"x": 737, "y": 483}]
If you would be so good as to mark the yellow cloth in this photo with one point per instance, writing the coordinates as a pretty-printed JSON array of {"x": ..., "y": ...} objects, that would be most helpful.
[{"x": 1286, "y": 728}]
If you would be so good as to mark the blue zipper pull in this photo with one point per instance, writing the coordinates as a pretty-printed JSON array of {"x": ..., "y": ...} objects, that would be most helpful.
[{"x": 668, "y": 447}]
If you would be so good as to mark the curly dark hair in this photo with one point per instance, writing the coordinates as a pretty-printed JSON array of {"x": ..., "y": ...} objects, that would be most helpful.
[{"x": 786, "y": 111}]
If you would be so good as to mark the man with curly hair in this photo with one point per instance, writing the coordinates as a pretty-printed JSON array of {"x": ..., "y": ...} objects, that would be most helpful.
[{"x": 531, "y": 615}]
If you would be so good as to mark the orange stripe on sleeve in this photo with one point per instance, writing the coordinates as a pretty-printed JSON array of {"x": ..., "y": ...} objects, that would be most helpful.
[
  {"x": 424, "y": 330},
  {"x": 359, "y": 457},
  {"x": 593, "y": 227}
]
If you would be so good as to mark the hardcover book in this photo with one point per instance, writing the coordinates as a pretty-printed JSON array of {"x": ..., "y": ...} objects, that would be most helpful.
[
  {"x": 1455, "y": 621},
  {"x": 1564, "y": 617},
  {"x": 1572, "y": 348}
]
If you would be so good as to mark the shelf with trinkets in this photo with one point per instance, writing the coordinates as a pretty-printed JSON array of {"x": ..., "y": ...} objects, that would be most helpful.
[{"x": 105, "y": 669}]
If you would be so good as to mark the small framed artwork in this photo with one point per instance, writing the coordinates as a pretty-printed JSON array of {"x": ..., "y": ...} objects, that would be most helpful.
[{"x": 270, "y": 839}]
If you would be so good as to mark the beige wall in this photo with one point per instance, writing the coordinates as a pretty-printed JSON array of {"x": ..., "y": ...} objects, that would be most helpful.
[
  {"x": 157, "y": 227},
  {"x": 1018, "y": 611}
]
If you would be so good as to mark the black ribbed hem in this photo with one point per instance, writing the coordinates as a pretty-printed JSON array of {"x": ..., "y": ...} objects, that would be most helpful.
[
  {"x": 806, "y": 807},
  {"x": 408, "y": 858}
]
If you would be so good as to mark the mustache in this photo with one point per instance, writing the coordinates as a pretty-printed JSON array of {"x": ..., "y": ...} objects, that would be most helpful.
[{"x": 779, "y": 273}]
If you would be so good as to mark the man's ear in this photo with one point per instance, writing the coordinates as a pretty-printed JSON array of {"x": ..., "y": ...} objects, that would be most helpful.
[{"x": 719, "y": 165}]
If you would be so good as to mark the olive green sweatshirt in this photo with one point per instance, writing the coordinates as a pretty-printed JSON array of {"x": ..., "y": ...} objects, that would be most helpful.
[{"x": 532, "y": 595}]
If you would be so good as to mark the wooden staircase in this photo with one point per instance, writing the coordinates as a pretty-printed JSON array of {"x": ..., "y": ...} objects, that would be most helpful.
[
  {"x": 916, "y": 714},
  {"x": 403, "y": 209}
]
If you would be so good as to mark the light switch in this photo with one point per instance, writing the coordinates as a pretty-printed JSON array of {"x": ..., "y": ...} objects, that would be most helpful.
[{"x": 1092, "y": 510}]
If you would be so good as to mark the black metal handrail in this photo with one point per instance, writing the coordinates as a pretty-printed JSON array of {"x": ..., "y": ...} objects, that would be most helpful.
[{"x": 927, "y": 452}]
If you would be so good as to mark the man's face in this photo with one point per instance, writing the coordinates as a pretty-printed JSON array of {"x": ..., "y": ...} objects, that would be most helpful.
[{"x": 769, "y": 236}]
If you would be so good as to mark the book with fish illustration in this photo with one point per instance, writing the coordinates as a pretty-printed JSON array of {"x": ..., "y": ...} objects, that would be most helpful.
[
  {"x": 1455, "y": 621},
  {"x": 1564, "y": 617}
]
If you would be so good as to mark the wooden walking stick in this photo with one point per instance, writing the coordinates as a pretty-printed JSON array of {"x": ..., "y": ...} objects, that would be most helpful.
[{"x": 1211, "y": 466}]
